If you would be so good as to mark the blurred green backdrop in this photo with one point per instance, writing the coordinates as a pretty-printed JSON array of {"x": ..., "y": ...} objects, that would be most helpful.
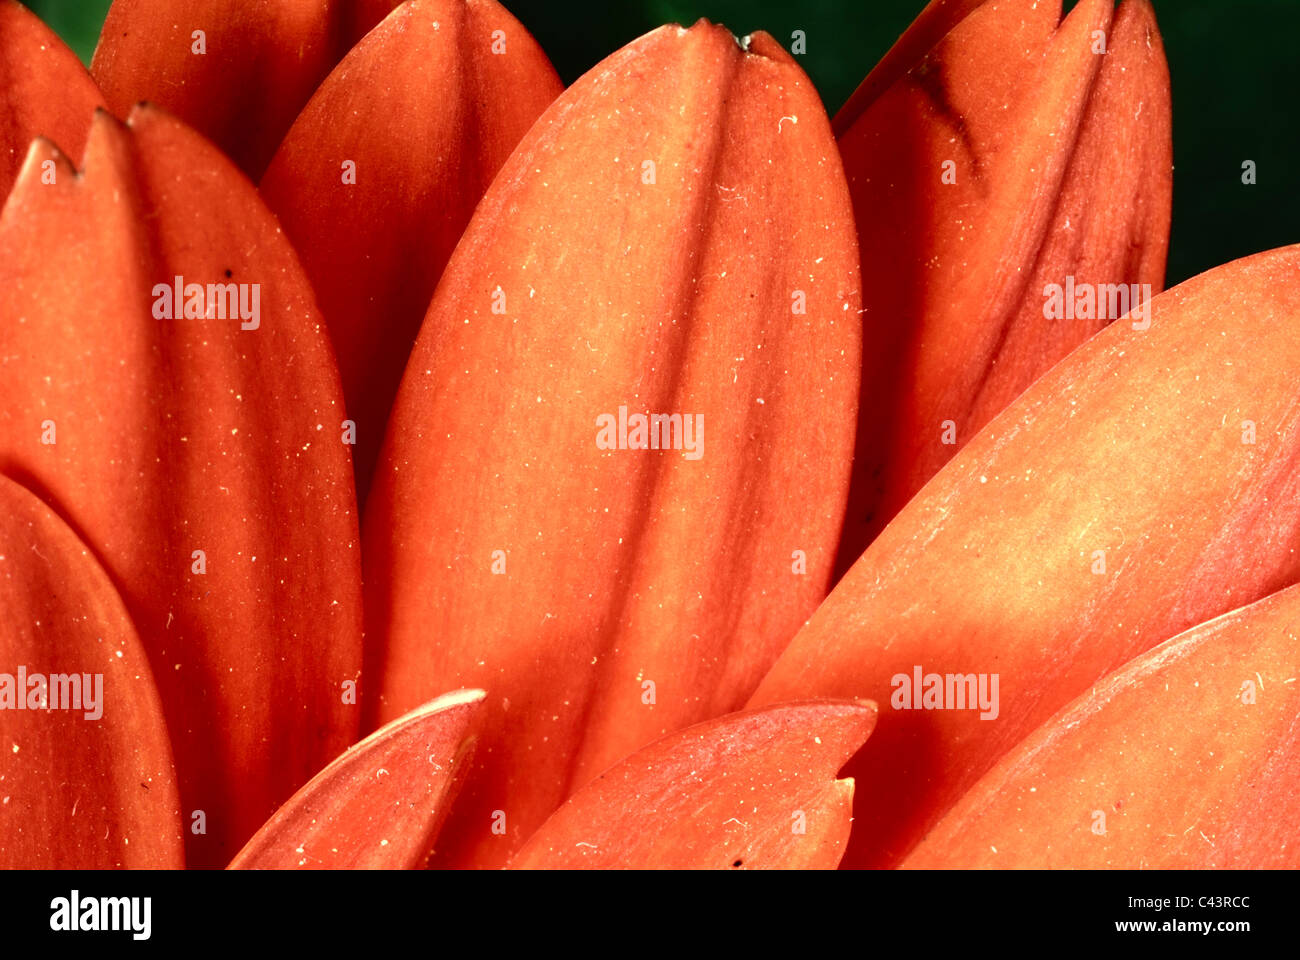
[{"x": 1236, "y": 78}]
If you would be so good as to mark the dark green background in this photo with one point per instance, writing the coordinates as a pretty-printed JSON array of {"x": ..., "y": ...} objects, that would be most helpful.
[{"x": 1234, "y": 65}]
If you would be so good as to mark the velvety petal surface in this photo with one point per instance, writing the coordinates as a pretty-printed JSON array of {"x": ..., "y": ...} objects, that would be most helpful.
[
  {"x": 86, "y": 778},
  {"x": 202, "y": 462},
  {"x": 380, "y": 804},
  {"x": 378, "y": 176},
  {"x": 44, "y": 91},
  {"x": 673, "y": 237},
  {"x": 753, "y": 790},
  {"x": 1144, "y": 485},
  {"x": 1013, "y": 156},
  {"x": 1187, "y": 757},
  {"x": 258, "y": 66}
]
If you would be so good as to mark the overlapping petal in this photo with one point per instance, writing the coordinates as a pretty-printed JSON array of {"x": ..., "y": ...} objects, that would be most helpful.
[
  {"x": 86, "y": 778},
  {"x": 1013, "y": 155},
  {"x": 754, "y": 790},
  {"x": 377, "y": 178},
  {"x": 673, "y": 237},
  {"x": 237, "y": 72},
  {"x": 673, "y": 240},
  {"x": 197, "y": 452},
  {"x": 44, "y": 91},
  {"x": 1145, "y": 484},
  {"x": 381, "y": 803},
  {"x": 935, "y": 21},
  {"x": 1187, "y": 757}
]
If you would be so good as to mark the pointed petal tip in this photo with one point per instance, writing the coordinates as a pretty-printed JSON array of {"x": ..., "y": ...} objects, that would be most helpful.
[
  {"x": 456, "y": 698},
  {"x": 344, "y": 818},
  {"x": 34, "y": 170},
  {"x": 40, "y": 150},
  {"x": 44, "y": 88}
]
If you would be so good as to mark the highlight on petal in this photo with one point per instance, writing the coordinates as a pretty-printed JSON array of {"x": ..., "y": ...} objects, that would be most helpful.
[
  {"x": 1145, "y": 484},
  {"x": 44, "y": 91},
  {"x": 381, "y": 803},
  {"x": 237, "y": 72},
  {"x": 86, "y": 778},
  {"x": 749, "y": 790},
  {"x": 376, "y": 180},
  {"x": 169, "y": 389},
  {"x": 1187, "y": 757},
  {"x": 671, "y": 240},
  {"x": 1017, "y": 157}
]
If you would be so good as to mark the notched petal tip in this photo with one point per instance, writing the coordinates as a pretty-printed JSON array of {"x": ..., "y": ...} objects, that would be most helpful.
[
  {"x": 763, "y": 45},
  {"x": 758, "y": 44},
  {"x": 145, "y": 111},
  {"x": 762, "y": 794},
  {"x": 103, "y": 120},
  {"x": 138, "y": 108}
]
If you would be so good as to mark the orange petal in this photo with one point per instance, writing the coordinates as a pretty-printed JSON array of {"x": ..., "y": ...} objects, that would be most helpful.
[
  {"x": 380, "y": 804},
  {"x": 201, "y": 461},
  {"x": 422, "y": 151},
  {"x": 1111, "y": 506},
  {"x": 755, "y": 790},
  {"x": 1062, "y": 164},
  {"x": 86, "y": 782},
  {"x": 44, "y": 91},
  {"x": 260, "y": 63},
  {"x": 1110, "y": 222},
  {"x": 1187, "y": 757},
  {"x": 608, "y": 596},
  {"x": 931, "y": 25}
]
